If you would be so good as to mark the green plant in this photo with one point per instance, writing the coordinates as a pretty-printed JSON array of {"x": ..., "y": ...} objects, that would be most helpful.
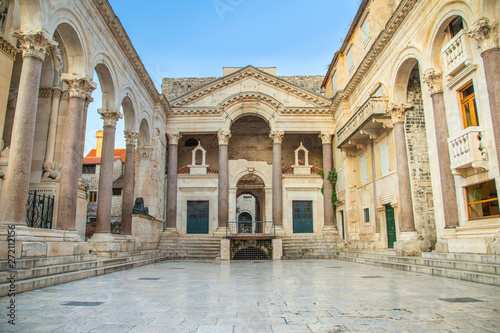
[{"x": 332, "y": 178}]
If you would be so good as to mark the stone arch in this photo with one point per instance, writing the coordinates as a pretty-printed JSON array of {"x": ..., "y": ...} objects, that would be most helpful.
[
  {"x": 437, "y": 37},
  {"x": 235, "y": 180},
  {"x": 401, "y": 76},
  {"x": 72, "y": 49},
  {"x": 128, "y": 106},
  {"x": 107, "y": 79},
  {"x": 144, "y": 138},
  {"x": 245, "y": 216}
]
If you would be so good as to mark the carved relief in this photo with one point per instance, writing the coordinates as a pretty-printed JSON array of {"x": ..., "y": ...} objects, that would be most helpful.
[
  {"x": 485, "y": 32},
  {"x": 434, "y": 80},
  {"x": 223, "y": 136},
  {"x": 34, "y": 43}
]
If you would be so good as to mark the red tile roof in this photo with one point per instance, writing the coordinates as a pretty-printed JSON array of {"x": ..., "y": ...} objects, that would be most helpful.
[
  {"x": 185, "y": 170},
  {"x": 289, "y": 169},
  {"x": 92, "y": 159}
]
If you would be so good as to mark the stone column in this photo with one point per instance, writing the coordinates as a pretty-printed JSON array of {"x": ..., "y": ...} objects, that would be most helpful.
[
  {"x": 105, "y": 194},
  {"x": 128, "y": 183},
  {"x": 433, "y": 78},
  {"x": 79, "y": 85},
  {"x": 326, "y": 138},
  {"x": 173, "y": 141},
  {"x": 277, "y": 137},
  {"x": 48, "y": 164},
  {"x": 88, "y": 100},
  {"x": 223, "y": 136},
  {"x": 34, "y": 45},
  {"x": 486, "y": 34},
  {"x": 398, "y": 114}
]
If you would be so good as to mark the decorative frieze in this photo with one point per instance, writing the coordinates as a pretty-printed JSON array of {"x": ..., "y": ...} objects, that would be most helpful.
[
  {"x": 277, "y": 136},
  {"x": 79, "y": 85},
  {"x": 34, "y": 43},
  {"x": 8, "y": 48},
  {"x": 173, "y": 138},
  {"x": 131, "y": 137},
  {"x": 434, "y": 80},
  {"x": 223, "y": 136},
  {"x": 110, "y": 116},
  {"x": 485, "y": 32}
]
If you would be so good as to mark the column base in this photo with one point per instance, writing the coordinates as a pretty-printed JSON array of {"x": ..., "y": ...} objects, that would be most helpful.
[
  {"x": 171, "y": 232},
  {"x": 277, "y": 248},
  {"x": 225, "y": 249},
  {"x": 411, "y": 244},
  {"x": 107, "y": 244},
  {"x": 37, "y": 243},
  {"x": 279, "y": 230}
]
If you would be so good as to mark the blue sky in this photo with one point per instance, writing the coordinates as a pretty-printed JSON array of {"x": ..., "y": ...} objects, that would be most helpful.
[{"x": 196, "y": 38}]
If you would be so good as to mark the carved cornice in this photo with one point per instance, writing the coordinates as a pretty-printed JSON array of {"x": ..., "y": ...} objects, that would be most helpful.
[
  {"x": 485, "y": 33},
  {"x": 79, "y": 85},
  {"x": 173, "y": 138},
  {"x": 249, "y": 96},
  {"x": 253, "y": 72},
  {"x": 434, "y": 80},
  {"x": 8, "y": 48},
  {"x": 277, "y": 136},
  {"x": 113, "y": 23},
  {"x": 34, "y": 43},
  {"x": 379, "y": 45},
  {"x": 398, "y": 112},
  {"x": 223, "y": 136},
  {"x": 110, "y": 116},
  {"x": 45, "y": 93},
  {"x": 326, "y": 137},
  {"x": 131, "y": 137}
]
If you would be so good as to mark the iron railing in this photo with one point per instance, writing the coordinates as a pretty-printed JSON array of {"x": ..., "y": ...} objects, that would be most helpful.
[
  {"x": 251, "y": 228},
  {"x": 39, "y": 210}
]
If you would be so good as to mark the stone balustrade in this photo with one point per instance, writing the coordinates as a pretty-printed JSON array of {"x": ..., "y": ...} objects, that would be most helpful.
[
  {"x": 467, "y": 148},
  {"x": 456, "y": 54}
]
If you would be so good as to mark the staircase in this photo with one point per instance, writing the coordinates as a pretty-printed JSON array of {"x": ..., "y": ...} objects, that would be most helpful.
[
  {"x": 37, "y": 273},
  {"x": 190, "y": 247},
  {"x": 309, "y": 247},
  {"x": 481, "y": 268}
]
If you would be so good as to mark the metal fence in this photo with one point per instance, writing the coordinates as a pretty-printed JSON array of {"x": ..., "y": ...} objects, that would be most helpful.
[
  {"x": 39, "y": 210},
  {"x": 249, "y": 228}
]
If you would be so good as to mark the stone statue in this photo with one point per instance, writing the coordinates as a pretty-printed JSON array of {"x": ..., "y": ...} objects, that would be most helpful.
[{"x": 139, "y": 207}]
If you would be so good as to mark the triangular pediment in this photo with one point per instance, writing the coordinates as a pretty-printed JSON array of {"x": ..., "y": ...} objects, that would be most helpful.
[{"x": 250, "y": 82}]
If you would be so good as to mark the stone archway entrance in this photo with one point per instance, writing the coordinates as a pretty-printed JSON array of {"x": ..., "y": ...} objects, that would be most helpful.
[{"x": 250, "y": 194}]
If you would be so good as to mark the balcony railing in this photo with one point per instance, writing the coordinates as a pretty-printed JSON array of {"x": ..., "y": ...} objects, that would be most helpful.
[
  {"x": 250, "y": 229},
  {"x": 467, "y": 148},
  {"x": 456, "y": 54},
  {"x": 374, "y": 105}
]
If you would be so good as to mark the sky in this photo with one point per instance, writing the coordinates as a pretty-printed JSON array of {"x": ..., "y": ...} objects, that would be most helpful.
[{"x": 196, "y": 38}]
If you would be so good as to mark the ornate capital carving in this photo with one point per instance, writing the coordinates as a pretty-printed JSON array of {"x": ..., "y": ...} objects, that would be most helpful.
[
  {"x": 326, "y": 137},
  {"x": 277, "y": 136},
  {"x": 131, "y": 137},
  {"x": 485, "y": 33},
  {"x": 174, "y": 138},
  {"x": 56, "y": 92},
  {"x": 398, "y": 112},
  {"x": 434, "y": 80},
  {"x": 79, "y": 85},
  {"x": 110, "y": 116},
  {"x": 8, "y": 48},
  {"x": 223, "y": 136},
  {"x": 34, "y": 43}
]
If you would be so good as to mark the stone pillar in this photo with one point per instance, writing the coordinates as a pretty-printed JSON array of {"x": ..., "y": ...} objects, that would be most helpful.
[
  {"x": 223, "y": 136},
  {"x": 79, "y": 85},
  {"x": 277, "y": 137},
  {"x": 48, "y": 164},
  {"x": 88, "y": 100},
  {"x": 329, "y": 212},
  {"x": 128, "y": 183},
  {"x": 486, "y": 34},
  {"x": 34, "y": 45},
  {"x": 173, "y": 141},
  {"x": 433, "y": 78},
  {"x": 105, "y": 194},
  {"x": 398, "y": 114}
]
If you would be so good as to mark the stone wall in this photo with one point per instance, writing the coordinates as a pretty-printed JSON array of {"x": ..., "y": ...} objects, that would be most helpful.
[
  {"x": 419, "y": 160},
  {"x": 310, "y": 82}
]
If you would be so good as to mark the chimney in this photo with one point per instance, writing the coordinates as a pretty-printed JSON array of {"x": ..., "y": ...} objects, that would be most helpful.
[{"x": 99, "y": 135}]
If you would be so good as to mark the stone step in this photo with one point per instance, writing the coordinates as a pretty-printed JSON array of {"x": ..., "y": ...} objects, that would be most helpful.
[
  {"x": 307, "y": 257},
  {"x": 190, "y": 247},
  {"x": 467, "y": 257},
  {"x": 38, "y": 262},
  {"x": 45, "y": 281},
  {"x": 493, "y": 279}
]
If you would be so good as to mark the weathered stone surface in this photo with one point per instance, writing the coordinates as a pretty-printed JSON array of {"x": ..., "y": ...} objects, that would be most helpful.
[{"x": 34, "y": 249}]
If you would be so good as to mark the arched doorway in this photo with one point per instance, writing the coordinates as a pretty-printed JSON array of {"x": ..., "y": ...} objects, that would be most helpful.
[{"x": 250, "y": 204}]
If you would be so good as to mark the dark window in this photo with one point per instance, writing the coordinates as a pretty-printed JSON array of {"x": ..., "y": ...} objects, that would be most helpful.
[
  {"x": 93, "y": 219},
  {"x": 367, "y": 215},
  {"x": 455, "y": 26},
  {"x": 191, "y": 143},
  {"x": 482, "y": 200},
  {"x": 92, "y": 196},
  {"x": 117, "y": 191},
  {"x": 88, "y": 169}
]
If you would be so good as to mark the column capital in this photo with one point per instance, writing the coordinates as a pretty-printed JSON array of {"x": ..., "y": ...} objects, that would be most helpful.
[
  {"x": 34, "y": 43},
  {"x": 131, "y": 137},
  {"x": 223, "y": 136},
  {"x": 326, "y": 137},
  {"x": 398, "y": 111},
  {"x": 79, "y": 85},
  {"x": 174, "y": 138},
  {"x": 56, "y": 92},
  {"x": 434, "y": 79},
  {"x": 277, "y": 136},
  {"x": 110, "y": 116},
  {"x": 485, "y": 32}
]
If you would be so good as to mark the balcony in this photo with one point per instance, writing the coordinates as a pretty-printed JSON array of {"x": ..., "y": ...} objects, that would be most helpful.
[
  {"x": 456, "y": 55},
  {"x": 368, "y": 123},
  {"x": 467, "y": 151}
]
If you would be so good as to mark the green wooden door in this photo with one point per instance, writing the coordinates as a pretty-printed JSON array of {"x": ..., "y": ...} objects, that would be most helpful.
[
  {"x": 391, "y": 225},
  {"x": 197, "y": 217},
  {"x": 302, "y": 217}
]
